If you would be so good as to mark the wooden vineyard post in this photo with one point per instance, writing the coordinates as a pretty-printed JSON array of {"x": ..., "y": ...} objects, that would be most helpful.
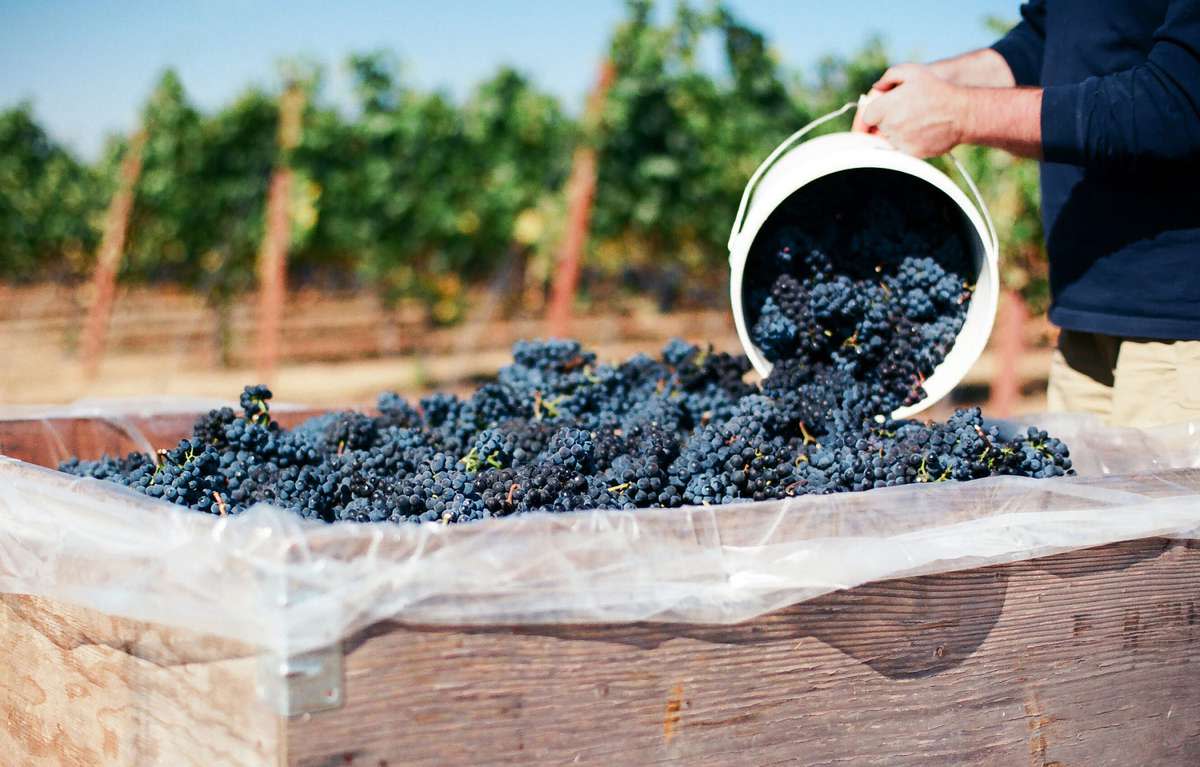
[
  {"x": 1005, "y": 388},
  {"x": 108, "y": 257},
  {"x": 272, "y": 257},
  {"x": 581, "y": 191}
]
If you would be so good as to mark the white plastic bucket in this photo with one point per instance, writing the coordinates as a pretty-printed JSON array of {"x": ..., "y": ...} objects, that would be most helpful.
[{"x": 794, "y": 165}]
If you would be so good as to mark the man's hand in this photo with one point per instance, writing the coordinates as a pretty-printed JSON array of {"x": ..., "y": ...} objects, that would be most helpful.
[{"x": 915, "y": 110}]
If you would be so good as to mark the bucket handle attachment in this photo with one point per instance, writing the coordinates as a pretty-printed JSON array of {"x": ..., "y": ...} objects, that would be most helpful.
[{"x": 793, "y": 139}]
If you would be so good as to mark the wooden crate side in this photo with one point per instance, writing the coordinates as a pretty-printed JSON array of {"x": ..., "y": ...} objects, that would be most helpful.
[
  {"x": 1084, "y": 658},
  {"x": 82, "y": 689}
]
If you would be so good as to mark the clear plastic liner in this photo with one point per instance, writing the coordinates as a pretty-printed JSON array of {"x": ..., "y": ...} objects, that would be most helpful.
[
  {"x": 50, "y": 434},
  {"x": 281, "y": 584},
  {"x": 113, "y": 407},
  {"x": 126, "y": 408}
]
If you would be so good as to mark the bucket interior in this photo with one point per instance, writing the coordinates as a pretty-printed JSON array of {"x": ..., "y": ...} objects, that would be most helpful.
[
  {"x": 849, "y": 197},
  {"x": 861, "y": 214}
]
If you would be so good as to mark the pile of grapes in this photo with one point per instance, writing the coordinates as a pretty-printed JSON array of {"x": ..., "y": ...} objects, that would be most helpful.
[
  {"x": 864, "y": 272},
  {"x": 559, "y": 430},
  {"x": 854, "y": 299}
]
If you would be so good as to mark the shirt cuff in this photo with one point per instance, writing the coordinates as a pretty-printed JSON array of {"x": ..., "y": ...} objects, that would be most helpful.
[{"x": 1062, "y": 124}]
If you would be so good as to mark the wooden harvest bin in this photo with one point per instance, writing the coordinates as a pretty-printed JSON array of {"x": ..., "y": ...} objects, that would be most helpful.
[{"x": 1081, "y": 658}]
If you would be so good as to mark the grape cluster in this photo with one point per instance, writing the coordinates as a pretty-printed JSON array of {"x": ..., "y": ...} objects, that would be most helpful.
[
  {"x": 854, "y": 308},
  {"x": 559, "y": 430},
  {"x": 865, "y": 275}
]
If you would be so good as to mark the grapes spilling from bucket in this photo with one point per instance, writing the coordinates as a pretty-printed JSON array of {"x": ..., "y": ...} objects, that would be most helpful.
[
  {"x": 559, "y": 430},
  {"x": 862, "y": 273},
  {"x": 855, "y": 289}
]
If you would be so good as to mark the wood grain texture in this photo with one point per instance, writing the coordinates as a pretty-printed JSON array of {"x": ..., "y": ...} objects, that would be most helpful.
[
  {"x": 1084, "y": 659},
  {"x": 82, "y": 689}
]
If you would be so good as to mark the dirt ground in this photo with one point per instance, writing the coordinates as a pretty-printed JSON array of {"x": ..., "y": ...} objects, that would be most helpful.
[
  {"x": 335, "y": 352},
  {"x": 45, "y": 376}
]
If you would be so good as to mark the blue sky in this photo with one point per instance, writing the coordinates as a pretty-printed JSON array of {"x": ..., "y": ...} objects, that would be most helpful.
[{"x": 87, "y": 66}]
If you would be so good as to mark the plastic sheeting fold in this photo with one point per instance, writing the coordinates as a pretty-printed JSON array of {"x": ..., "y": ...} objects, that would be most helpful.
[{"x": 272, "y": 580}]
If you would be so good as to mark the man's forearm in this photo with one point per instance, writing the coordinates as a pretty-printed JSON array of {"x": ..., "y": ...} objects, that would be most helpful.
[
  {"x": 925, "y": 115},
  {"x": 983, "y": 68},
  {"x": 1005, "y": 118}
]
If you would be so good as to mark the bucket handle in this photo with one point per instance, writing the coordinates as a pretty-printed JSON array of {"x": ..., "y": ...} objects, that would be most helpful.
[
  {"x": 771, "y": 158},
  {"x": 977, "y": 199},
  {"x": 791, "y": 140}
]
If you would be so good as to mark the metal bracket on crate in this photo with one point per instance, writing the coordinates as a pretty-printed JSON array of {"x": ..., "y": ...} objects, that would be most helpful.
[{"x": 304, "y": 683}]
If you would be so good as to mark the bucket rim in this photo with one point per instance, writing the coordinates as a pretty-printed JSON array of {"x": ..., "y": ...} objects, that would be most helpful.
[{"x": 842, "y": 152}]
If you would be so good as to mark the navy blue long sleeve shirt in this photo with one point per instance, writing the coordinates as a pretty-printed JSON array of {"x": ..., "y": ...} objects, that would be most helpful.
[{"x": 1121, "y": 159}]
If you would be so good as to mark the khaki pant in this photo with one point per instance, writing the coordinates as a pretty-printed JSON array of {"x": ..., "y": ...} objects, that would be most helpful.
[{"x": 1126, "y": 381}]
